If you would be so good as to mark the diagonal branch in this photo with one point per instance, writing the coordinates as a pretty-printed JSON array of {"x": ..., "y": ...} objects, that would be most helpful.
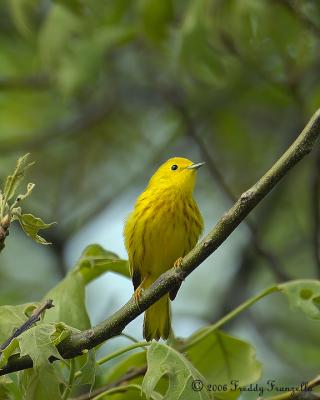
[
  {"x": 77, "y": 343},
  {"x": 259, "y": 247}
]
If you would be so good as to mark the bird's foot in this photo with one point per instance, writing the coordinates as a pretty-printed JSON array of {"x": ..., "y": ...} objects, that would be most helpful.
[
  {"x": 137, "y": 294},
  {"x": 178, "y": 263}
]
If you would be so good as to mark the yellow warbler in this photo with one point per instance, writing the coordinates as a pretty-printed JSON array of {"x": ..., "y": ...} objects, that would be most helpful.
[{"x": 164, "y": 226}]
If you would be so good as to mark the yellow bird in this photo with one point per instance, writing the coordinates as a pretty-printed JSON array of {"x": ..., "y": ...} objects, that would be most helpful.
[{"x": 163, "y": 227}]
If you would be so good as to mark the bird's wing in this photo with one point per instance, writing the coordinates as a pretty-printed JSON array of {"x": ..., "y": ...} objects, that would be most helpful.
[
  {"x": 136, "y": 278},
  {"x": 133, "y": 249}
]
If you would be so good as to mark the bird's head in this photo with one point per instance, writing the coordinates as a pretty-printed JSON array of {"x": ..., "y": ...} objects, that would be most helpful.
[{"x": 177, "y": 173}]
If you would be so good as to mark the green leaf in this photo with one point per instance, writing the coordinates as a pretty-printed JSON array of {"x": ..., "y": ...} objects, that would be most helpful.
[
  {"x": 70, "y": 308},
  {"x": 69, "y": 302},
  {"x": 12, "y": 317},
  {"x": 61, "y": 332},
  {"x": 31, "y": 225},
  {"x": 74, "y": 71},
  {"x": 135, "y": 360},
  {"x": 130, "y": 363},
  {"x": 95, "y": 261},
  {"x": 303, "y": 294},
  {"x": 14, "y": 180},
  {"x": 21, "y": 11},
  {"x": 87, "y": 365},
  {"x": 21, "y": 197},
  {"x": 39, "y": 342},
  {"x": 69, "y": 295},
  {"x": 165, "y": 361},
  {"x": 4, "y": 390},
  {"x": 41, "y": 384},
  {"x": 10, "y": 350},
  {"x": 221, "y": 359},
  {"x": 52, "y": 42}
]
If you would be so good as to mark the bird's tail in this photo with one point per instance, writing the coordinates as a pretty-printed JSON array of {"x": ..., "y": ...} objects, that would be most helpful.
[{"x": 157, "y": 320}]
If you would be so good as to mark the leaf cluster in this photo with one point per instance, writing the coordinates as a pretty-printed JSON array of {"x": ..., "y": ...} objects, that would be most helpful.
[
  {"x": 69, "y": 315},
  {"x": 10, "y": 209}
]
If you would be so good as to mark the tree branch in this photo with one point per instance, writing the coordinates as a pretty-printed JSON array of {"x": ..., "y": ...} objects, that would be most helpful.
[{"x": 76, "y": 343}]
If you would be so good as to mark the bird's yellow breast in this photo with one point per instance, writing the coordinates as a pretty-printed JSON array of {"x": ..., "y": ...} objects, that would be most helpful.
[{"x": 164, "y": 226}]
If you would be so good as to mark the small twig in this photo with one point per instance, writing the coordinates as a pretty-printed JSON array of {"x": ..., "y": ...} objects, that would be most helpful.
[
  {"x": 35, "y": 317},
  {"x": 134, "y": 340},
  {"x": 123, "y": 350},
  {"x": 4, "y": 230},
  {"x": 131, "y": 374}
]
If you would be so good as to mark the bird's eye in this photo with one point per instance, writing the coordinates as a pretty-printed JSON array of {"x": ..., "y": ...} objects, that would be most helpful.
[{"x": 174, "y": 167}]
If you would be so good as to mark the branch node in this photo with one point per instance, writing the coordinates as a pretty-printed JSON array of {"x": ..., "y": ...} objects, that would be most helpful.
[
  {"x": 247, "y": 195},
  {"x": 89, "y": 333}
]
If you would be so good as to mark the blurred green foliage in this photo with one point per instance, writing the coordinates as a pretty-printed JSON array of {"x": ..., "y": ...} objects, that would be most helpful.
[{"x": 101, "y": 92}]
